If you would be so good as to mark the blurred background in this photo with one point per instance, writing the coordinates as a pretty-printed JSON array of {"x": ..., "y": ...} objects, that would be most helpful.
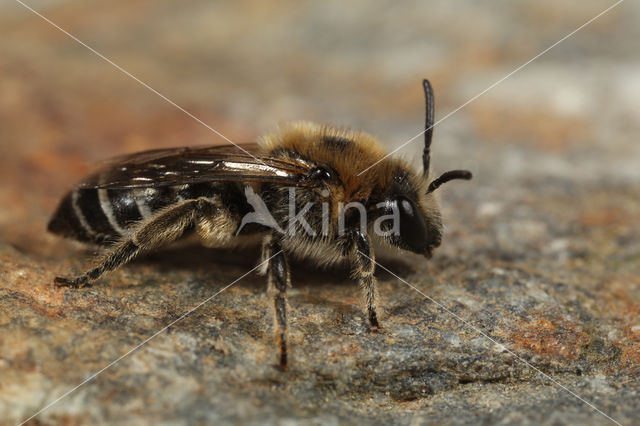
[
  {"x": 242, "y": 68},
  {"x": 542, "y": 248}
]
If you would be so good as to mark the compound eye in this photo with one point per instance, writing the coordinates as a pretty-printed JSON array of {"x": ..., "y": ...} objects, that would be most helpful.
[
  {"x": 413, "y": 227},
  {"x": 320, "y": 174}
]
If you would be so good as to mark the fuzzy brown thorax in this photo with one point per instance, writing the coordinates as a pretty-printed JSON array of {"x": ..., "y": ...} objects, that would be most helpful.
[{"x": 347, "y": 152}]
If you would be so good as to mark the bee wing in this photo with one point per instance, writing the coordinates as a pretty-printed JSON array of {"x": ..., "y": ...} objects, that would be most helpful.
[{"x": 178, "y": 166}]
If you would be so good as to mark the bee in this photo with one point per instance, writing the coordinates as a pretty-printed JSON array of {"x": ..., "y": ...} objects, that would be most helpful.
[{"x": 315, "y": 183}]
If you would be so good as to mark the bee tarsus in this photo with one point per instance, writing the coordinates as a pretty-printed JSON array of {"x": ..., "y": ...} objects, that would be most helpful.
[{"x": 78, "y": 282}]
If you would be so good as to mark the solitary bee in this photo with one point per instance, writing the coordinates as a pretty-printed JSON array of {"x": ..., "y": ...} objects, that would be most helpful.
[{"x": 306, "y": 178}]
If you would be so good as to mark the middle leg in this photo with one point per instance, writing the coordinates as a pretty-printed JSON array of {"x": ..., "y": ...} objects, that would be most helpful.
[{"x": 278, "y": 281}]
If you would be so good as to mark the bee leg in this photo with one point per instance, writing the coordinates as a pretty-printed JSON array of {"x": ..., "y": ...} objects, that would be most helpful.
[
  {"x": 277, "y": 282},
  {"x": 163, "y": 228},
  {"x": 364, "y": 267},
  {"x": 122, "y": 253}
]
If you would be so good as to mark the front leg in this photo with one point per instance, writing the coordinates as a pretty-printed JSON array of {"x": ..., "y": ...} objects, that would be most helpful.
[
  {"x": 363, "y": 269},
  {"x": 278, "y": 281}
]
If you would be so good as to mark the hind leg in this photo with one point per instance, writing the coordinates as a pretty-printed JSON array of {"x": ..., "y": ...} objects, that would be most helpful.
[{"x": 163, "y": 228}]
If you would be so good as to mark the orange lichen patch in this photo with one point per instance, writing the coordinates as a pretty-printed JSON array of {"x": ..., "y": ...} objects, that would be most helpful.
[
  {"x": 540, "y": 128},
  {"x": 630, "y": 356},
  {"x": 28, "y": 281},
  {"x": 606, "y": 210},
  {"x": 630, "y": 345},
  {"x": 619, "y": 285},
  {"x": 557, "y": 339},
  {"x": 48, "y": 311},
  {"x": 620, "y": 299},
  {"x": 619, "y": 302},
  {"x": 603, "y": 217}
]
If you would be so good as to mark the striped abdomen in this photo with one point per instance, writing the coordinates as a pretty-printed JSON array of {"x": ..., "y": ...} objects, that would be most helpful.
[{"x": 103, "y": 216}]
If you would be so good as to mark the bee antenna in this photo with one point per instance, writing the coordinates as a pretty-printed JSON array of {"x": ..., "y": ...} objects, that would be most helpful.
[
  {"x": 428, "y": 126},
  {"x": 447, "y": 176}
]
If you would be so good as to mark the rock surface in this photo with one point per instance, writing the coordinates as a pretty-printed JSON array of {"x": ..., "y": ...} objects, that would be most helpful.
[{"x": 530, "y": 309}]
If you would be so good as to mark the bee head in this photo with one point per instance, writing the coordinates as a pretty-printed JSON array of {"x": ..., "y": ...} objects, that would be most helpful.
[{"x": 409, "y": 217}]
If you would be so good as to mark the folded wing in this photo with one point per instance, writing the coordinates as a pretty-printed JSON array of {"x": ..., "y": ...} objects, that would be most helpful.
[{"x": 178, "y": 166}]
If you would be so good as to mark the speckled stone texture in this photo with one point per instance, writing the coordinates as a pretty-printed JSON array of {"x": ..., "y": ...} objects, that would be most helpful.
[{"x": 541, "y": 250}]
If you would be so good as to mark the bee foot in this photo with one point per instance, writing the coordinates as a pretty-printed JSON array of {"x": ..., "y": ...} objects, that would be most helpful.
[
  {"x": 71, "y": 282},
  {"x": 282, "y": 366}
]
